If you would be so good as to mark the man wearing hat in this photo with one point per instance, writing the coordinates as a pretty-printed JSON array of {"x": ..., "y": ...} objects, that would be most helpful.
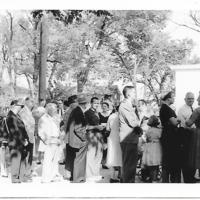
[
  {"x": 29, "y": 122},
  {"x": 18, "y": 141},
  {"x": 72, "y": 103},
  {"x": 76, "y": 129}
]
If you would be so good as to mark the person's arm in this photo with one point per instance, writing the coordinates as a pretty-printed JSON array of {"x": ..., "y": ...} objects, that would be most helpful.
[
  {"x": 192, "y": 118},
  {"x": 181, "y": 116},
  {"x": 108, "y": 126},
  {"x": 92, "y": 127},
  {"x": 129, "y": 117},
  {"x": 80, "y": 131},
  {"x": 41, "y": 130},
  {"x": 174, "y": 121}
]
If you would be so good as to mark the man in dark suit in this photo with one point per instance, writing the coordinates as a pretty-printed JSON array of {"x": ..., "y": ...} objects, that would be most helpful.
[
  {"x": 76, "y": 129},
  {"x": 18, "y": 141}
]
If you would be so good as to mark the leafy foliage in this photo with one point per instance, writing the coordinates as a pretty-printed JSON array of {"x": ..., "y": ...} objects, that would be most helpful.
[{"x": 92, "y": 49}]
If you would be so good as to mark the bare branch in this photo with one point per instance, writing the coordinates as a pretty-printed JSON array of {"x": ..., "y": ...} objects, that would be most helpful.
[
  {"x": 26, "y": 30},
  {"x": 184, "y": 25},
  {"x": 54, "y": 61},
  {"x": 194, "y": 18}
]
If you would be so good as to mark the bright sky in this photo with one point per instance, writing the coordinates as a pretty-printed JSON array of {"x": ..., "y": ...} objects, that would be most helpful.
[
  {"x": 180, "y": 32},
  {"x": 175, "y": 31}
]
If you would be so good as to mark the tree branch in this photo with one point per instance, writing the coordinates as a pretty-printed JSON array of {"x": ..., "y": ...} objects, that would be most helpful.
[
  {"x": 184, "y": 25},
  {"x": 54, "y": 61},
  {"x": 25, "y": 30},
  {"x": 194, "y": 18}
]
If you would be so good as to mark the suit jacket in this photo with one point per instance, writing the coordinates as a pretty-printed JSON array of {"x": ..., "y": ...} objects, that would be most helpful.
[
  {"x": 128, "y": 120},
  {"x": 17, "y": 132},
  {"x": 77, "y": 128},
  {"x": 29, "y": 122}
]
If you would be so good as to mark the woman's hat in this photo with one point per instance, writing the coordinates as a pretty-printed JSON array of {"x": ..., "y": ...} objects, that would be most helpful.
[
  {"x": 39, "y": 111},
  {"x": 153, "y": 121},
  {"x": 82, "y": 99}
]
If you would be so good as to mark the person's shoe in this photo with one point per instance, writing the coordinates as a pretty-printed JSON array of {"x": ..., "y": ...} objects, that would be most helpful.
[
  {"x": 104, "y": 167},
  {"x": 62, "y": 162},
  {"x": 66, "y": 178},
  {"x": 4, "y": 176},
  {"x": 114, "y": 180},
  {"x": 196, "y": 179},
  {"x": 16, "y": 181},
  {"x": 58, "y": 177},
  {"x": 34, "y": 174},
  {"x": 27, "y": 181},
  {"x": 154, "y": 182},
  {"x": 38, "y": 163}
]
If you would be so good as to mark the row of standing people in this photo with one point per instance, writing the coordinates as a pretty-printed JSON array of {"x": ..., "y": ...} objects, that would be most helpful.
[
  {"x": 175, "y": 147},
  {"x": 87, "y": 131},
  {"x": 20, "y": 133},
  {"x": 181, "y": 134}
]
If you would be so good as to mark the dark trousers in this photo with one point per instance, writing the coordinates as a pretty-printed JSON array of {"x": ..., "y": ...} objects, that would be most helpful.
[
  {"x": 188, "y": 175},
  {"x": 171, "y": 165},
  {"x": 187, "y": 171},
  {"x": 18, "y": 165},
  {"x": 171, "y": 174},
  {"x": 29, "y": 160},
  {"x": 104, "y": 157},
  {"x": 153, "y": 170},
  {"x": 171, "y": 158},
  {"x": 78, "y": 163},
  {"x": 69, "y": 156},
  {"x": 129, "y": 162}
]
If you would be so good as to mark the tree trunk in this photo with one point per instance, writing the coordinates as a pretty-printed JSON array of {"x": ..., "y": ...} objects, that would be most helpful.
[
  {"x": 1, "y": 74},
  {"x": 15, "y": 83},
  {"x": 36, "y": 60},
  {"x": 10, "y": 63},
  {"x": 30, "y": 86},
  {"x": 82, "y": 78},
  {"x": 136, "y": 64},
  {"x": 43, "y": 59}
]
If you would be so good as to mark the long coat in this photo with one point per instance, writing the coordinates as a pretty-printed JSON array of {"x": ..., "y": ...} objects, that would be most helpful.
[
  {"x": 17, "y": 133},
  {"x": 77, "y": 128}
]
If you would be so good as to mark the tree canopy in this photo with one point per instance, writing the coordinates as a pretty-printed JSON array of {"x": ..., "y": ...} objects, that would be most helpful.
[{"x": 89, "y": 50}]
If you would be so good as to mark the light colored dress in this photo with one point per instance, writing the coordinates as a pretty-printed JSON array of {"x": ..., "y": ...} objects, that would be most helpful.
[
  {"x": 152, "y": 155},
  {"x": 93, "y": 162},
  {"x": 114, "y": 155},
  {"x": 49, "y": 133}
]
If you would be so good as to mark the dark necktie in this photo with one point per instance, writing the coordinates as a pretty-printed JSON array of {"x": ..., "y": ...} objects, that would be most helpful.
[
  {"x": 191, "y": 108},
  {"x": 137, "y": 113}
]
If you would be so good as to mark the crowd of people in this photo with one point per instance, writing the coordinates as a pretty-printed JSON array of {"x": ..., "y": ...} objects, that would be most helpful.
[{"x": 89, "y": 135}]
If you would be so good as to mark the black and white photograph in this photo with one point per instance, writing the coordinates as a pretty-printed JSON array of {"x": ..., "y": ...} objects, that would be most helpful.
[{"x": 100, "y": 102}]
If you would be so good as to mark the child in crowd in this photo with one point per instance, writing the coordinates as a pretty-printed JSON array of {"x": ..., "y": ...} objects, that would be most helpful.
[{"x": 152, "y": 150}]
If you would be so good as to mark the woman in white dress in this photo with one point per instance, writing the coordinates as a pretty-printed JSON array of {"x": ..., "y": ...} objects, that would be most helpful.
[
  {"x": 49, "y": 133},
  {"x": 114, "y": 156}
]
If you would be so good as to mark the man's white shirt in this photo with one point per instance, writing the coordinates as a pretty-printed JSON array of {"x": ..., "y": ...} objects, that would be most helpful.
[{"x": 184, "y": 114}]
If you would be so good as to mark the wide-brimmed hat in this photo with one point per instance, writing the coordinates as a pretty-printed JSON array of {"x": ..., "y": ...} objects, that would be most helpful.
[
  {"x": 39, "y": 111},
  {"x": 82, "y": 99},
  {"x": 153, "y": 121}
]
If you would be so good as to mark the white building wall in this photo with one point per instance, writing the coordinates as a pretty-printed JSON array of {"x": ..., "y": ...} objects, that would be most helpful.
[{"x": 187, "y": 79}]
